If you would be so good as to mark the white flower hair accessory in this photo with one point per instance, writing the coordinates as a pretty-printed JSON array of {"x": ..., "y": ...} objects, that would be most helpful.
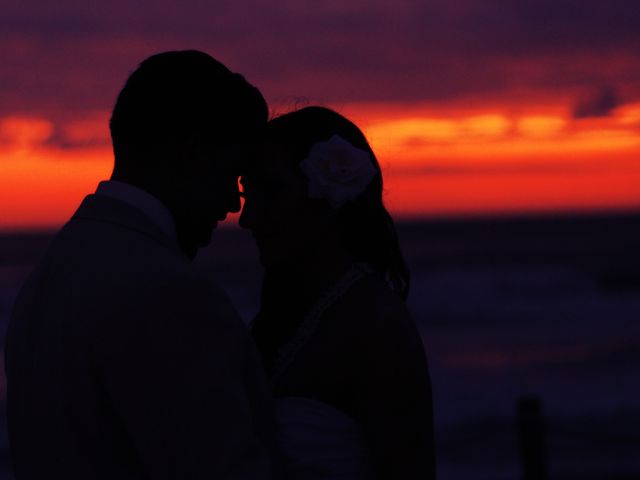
[{"x": 337, "y": 171}]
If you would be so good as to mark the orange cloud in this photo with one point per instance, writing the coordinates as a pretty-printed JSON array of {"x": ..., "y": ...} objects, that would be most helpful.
[
  {"x": 543, "y": 161},
  {"x": 487, "y": 125},
  {"x": 629, "y": 115},
  {"x": 541, "y": 126},
  {"x": 24, "y": 132},
  {"x": 461, "y": 161},
  {"x": 476, "y": 138},
  {"x": 91, "y": 130}
]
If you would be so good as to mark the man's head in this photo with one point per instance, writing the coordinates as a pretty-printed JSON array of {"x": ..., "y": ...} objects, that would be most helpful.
[{"x": 180, "y": 128}]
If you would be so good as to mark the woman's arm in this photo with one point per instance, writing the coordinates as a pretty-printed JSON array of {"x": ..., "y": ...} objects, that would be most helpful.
[{"x": 393, "y": 395}]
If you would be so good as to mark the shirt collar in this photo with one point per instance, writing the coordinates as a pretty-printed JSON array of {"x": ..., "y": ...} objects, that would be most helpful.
[{"x": 143, "y": 201}]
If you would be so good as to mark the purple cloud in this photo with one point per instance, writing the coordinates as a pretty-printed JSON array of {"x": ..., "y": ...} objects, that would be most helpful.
[
  {"x": 67, "y": 57},
  {"x": 600, "y": 104}
]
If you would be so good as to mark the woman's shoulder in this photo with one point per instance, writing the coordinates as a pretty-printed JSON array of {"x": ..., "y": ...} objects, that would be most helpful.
[
  {"x": 383, "y": 332},
  {"x": 370, "y": 304},
  {"x": 375, "y": 293}
]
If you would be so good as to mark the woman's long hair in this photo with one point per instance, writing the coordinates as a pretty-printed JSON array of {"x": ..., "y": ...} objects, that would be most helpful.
[{"x": 367, "y": 230}]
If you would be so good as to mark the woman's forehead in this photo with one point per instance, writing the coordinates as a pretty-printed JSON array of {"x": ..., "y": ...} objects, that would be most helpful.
[
  {"x": 274, "y": 158},
  {"x": 273, "y": 164}
]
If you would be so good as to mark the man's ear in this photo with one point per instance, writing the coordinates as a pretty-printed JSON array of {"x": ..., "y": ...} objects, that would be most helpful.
[{"x": 190, "y": 156}]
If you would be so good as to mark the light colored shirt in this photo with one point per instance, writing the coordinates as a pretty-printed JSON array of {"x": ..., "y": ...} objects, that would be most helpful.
[{"x": 143, "y": 201}]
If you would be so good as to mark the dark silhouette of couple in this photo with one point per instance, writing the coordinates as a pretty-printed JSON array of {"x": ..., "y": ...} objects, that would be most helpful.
[{"x": 123, "y": 362}]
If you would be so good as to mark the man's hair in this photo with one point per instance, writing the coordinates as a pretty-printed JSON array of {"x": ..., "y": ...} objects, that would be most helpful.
[{"x": 175, "y": 96}]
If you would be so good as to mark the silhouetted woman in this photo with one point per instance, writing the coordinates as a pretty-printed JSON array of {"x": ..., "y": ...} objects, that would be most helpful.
[{"x": 346, "y": 360}]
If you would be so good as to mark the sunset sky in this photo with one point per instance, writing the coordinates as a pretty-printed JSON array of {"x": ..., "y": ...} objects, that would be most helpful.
[{"x": 474, "y": 107}]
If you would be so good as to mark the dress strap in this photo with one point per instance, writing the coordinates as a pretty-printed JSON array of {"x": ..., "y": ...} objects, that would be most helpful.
[{"x": 309, "y": 324}]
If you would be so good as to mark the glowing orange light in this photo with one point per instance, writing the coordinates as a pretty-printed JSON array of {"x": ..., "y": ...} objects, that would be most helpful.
[
  {"x": 409, "y": 131},
  {"x": 43, "y": 188},
  {"x": 486, "y": 125},
  {"x": 540, "y": 126}
]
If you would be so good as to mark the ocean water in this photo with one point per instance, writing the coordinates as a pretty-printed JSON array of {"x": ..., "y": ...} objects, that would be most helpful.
[{"x": 548, "y": 308}]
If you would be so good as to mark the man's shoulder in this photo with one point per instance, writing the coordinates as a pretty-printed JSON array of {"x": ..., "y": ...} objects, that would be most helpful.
[
  {"x": 114, "y": 266},
  {"x": 128, "y": 277},
  {"x": 104, "y": 228},
  {"x": 102, "y": 245}
]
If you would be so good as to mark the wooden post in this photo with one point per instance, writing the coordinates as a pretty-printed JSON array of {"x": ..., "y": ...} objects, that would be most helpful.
[{"x": 531, "y": 430}]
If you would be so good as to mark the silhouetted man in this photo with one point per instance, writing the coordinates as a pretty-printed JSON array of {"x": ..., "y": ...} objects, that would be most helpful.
[{"x": 122, "y": 362}]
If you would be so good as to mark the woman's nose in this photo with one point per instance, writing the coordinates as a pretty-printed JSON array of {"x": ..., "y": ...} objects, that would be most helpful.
[
  {"x": 248, "y": 215},
  {"x": 233, "y": 197},
  {"x": 234, "y": 203}
]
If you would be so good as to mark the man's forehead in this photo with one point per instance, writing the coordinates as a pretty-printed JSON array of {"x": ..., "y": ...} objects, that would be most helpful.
[{"x": 233, "y": 157}]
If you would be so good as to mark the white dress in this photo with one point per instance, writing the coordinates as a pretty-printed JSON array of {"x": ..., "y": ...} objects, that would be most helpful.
[{"x": 320, "y": 442}]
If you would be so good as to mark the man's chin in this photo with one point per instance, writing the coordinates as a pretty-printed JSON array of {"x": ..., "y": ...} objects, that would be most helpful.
[
  {"x": 191, "y": 243},
  {"x": 205, "y": 236}
]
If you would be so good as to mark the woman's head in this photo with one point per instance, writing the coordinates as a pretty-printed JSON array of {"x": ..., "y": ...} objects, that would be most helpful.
[{"x": 317, "y": 182}]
